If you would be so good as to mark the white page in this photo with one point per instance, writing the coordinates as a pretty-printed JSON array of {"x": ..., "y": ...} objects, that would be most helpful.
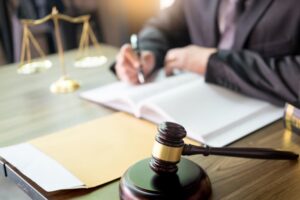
[
  {"x": 125, "y": 97},
  {"x": 43, "y": 170},
  {"x": 113, "y": 95},
  {"x": 208, "y": 111}
]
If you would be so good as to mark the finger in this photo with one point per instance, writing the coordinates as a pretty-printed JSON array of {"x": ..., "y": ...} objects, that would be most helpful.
[
  {"x": 123, "y": 64},
  {"x": 128, "y": 53},
  {"x": 133, "y": 79},
  {"x": 172, "y": 55},
  {"x": 130, "y": 78},
  {"x": 169, "y": 68},
  {"x": 125, "y": 70},
  {"x": 171, "y": 61},
  {"x": 126, "y": 48},
  {"x": 148, "y": 62},
  {"x": 127, "y": 73},
  {"x": 122, "y": 60}
]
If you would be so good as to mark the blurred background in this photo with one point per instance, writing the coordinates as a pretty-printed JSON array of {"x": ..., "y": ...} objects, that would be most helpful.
[{"x": 113, "y": 21}]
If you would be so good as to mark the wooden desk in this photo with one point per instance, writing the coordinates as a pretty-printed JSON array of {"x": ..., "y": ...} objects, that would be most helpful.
[{"x": 29, "y": 110}]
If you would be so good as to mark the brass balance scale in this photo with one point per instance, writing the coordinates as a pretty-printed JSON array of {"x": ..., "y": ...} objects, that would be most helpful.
[{"x": 64, "y": 84}]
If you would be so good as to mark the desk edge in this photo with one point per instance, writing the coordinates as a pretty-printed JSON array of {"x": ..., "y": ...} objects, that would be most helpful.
[
  {"x": 8, "y": 172},
  {"x": 2, "y": 168}
]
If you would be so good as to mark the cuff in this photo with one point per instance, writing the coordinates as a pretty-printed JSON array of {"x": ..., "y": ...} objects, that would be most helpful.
[
  {"x": 215, "y": 69},
  {"x": 112, "y": 67}
]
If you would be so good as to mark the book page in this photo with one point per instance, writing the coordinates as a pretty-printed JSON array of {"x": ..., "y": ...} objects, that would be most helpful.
[
  {"x": 126, "y": 97},
  {"x": 206, "y": 110}
]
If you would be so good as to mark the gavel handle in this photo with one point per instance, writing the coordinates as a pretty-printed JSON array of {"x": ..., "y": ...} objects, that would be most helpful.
[{"x": 258, "y": 153}]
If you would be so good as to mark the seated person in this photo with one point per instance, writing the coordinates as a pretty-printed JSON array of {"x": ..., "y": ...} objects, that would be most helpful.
[{"x": 250, "y": 46}]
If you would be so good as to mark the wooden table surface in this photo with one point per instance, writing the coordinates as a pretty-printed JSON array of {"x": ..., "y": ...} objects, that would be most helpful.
[{"x": 28, "y": 110}]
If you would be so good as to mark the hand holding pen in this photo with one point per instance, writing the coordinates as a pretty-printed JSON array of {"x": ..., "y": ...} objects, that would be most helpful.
[{"x": 132, "y": 64}]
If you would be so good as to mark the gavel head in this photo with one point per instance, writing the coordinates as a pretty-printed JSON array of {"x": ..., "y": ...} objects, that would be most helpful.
[{"x": 167, "y": 149}]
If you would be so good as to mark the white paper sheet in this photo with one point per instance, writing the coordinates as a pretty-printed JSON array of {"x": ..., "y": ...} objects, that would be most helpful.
[{"x": 41, "y": 169}]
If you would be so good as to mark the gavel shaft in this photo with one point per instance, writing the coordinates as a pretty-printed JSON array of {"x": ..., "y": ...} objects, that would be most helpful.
[{"x": 258, "y": 153}]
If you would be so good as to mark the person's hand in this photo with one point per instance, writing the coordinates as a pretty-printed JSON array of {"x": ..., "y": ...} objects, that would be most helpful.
[
  {"x": 190, "y": 58},
  {"x": 127, "y": 64}
]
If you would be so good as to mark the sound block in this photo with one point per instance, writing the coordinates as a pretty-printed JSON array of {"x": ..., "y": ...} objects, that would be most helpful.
[{"x": 140, "y": 182}]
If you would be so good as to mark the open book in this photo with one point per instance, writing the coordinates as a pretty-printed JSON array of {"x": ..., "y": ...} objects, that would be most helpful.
[{"x": 211, "y": 114}]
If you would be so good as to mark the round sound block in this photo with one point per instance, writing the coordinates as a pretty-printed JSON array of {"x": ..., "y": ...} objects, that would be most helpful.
[{"x": 140, "y": 182}]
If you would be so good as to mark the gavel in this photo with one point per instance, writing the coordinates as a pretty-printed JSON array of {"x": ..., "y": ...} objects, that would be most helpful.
[
  {"x": 169, "y": 146},
  {"x": 167, "y": 175}
]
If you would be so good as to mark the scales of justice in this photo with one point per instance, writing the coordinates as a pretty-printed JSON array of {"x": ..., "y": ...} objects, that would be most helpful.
[{"x": 64, "y": 84}]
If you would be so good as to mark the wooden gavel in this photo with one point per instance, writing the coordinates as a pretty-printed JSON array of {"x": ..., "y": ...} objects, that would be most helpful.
[{"x": 169, "y": 146}]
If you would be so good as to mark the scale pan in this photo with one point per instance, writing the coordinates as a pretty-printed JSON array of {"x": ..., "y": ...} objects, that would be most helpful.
[
  {"x": 90, "y": 61},
  {"x": 34, "y": 67}
]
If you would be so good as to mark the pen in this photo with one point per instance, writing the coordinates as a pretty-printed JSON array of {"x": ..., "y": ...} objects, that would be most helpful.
[{"x": 135, "y": 45}]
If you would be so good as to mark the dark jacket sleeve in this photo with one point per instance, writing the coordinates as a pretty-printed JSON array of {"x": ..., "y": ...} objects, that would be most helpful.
[
  {"x": 276, "y": 80},
  {"x": 166, "y": 31}
]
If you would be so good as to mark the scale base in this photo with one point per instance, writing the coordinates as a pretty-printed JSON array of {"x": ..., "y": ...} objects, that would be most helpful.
[
  {"x": 140, "y": 182},
  {"x": 64, "y": 85}
]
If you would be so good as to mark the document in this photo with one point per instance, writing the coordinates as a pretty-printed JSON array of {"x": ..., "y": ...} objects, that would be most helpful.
[
  {"x": 84, "y": 156},
  {"x": 211, "y": 114}
]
